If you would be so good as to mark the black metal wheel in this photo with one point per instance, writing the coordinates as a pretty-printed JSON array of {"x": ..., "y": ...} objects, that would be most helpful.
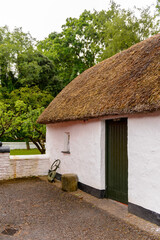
[{"x": 55, "y": 165}]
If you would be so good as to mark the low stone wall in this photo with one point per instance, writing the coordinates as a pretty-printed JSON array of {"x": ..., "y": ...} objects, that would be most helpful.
[{"x": 23, "y": 165}]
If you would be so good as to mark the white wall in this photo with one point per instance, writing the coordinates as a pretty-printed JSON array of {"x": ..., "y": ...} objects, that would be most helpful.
[
  {"x": 86, "y": 158},
  {"x": 87, "y": 155},
  {"x": 144, "y": 162},
  {"x": 5, "y": 171},
  {"x": 23, "y": 165}
]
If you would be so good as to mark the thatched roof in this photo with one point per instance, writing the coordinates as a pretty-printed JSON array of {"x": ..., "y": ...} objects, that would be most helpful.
[{"x": 126, "y": 83}]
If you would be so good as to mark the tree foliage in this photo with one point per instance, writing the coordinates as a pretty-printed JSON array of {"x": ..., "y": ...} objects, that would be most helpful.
[
  {"x": 35, "y": 69},
  {"x": 158, "y": 6},
  {"x": 11, "y": 45},
  {"x": 95, "y": 36},
  {"x": 19, "y": 112},
  {"x": 21, "y": 64},
  {"x": 6, "y": 116}
]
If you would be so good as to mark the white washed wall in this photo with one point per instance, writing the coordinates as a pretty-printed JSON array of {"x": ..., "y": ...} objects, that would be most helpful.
[
  {"x": 144, "y": 162},
  {"x": 5, "y": 171},
  {"x": 86, "y": 158},
  {"x": 23, "y": 165}
]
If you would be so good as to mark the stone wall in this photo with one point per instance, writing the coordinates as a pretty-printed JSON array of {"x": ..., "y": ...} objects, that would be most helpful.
[{"x": 22, "y": 165}]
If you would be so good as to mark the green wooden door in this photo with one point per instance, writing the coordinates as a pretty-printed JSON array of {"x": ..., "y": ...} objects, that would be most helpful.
[{"x": 116, "y": 160}]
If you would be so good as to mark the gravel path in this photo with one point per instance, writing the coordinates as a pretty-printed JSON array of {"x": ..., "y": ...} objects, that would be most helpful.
[{"x": 33, "y": 209}]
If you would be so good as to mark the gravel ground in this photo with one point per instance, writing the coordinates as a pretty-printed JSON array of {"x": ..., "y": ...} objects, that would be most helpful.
[{"x": 33, "y": 209}]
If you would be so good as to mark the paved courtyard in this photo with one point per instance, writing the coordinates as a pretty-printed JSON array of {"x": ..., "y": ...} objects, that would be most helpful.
[{"x": 33, "y": 209}]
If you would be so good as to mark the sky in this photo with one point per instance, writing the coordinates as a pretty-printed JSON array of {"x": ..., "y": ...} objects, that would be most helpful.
[{"x": 41, "y": 17}]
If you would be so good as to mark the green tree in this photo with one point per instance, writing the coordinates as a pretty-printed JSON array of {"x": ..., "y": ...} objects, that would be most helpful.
[
  {"x": 35, "y": 69},
  {"x": 73, "y": 50},
  {"x": 21, "y": 64},
  {"x": 125, "y": 29},
  {"x": 6, "y": 116},
  {"x": 158, "y": 5},
  {"x": 11, "y": 45},
  {"x": 24, "y": 126},
  {"x": 19, "y": 112},
  {"x": 95, "y": 36}
]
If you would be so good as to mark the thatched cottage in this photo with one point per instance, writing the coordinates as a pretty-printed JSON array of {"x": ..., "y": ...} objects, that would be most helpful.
[{"x": 105, "y": 127}]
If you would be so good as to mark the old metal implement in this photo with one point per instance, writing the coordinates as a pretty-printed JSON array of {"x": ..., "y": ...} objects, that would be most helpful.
[{"x": 52, "y": 170}]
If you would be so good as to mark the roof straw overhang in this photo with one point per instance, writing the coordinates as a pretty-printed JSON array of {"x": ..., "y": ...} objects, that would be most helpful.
[{"x": 126, "y": 83}]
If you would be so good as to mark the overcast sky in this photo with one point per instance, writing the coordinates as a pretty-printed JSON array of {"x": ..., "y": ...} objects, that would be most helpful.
[{"x": 41, "y": 17}]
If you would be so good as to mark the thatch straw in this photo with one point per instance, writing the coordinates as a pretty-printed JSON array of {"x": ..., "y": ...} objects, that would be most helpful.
[{"x": 128, "y": 82}]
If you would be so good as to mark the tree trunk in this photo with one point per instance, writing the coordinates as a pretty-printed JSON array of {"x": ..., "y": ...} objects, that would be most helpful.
[
  {"x": 39, "y": 145},
  {"x": 27, "y": 145}
]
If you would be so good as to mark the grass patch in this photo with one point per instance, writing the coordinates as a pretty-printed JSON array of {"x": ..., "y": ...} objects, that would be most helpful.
[{"x": 24, "y": 152}]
